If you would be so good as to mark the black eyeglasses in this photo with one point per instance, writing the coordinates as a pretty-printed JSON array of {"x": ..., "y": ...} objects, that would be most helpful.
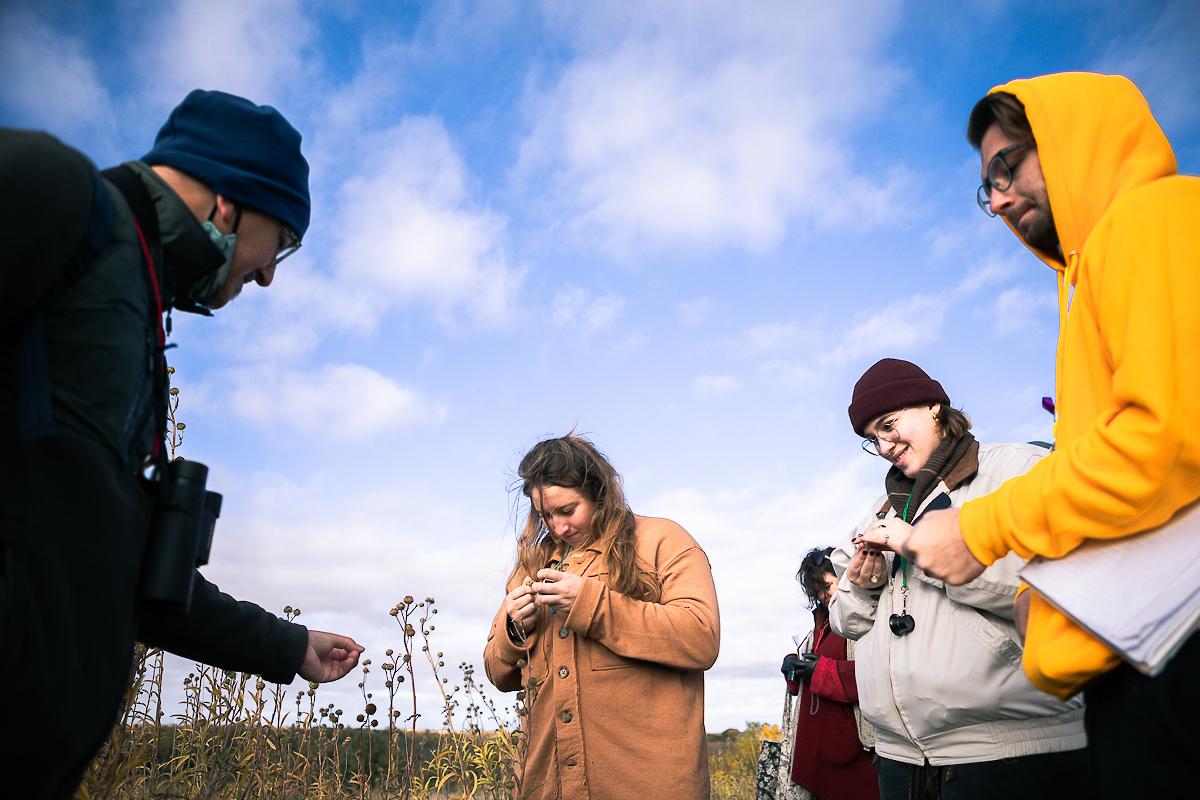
[
  {"x": 999, "y": 176},
  {"x": 291, "y": 244}
]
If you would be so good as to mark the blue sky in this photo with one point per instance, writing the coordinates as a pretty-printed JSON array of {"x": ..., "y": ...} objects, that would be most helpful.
[{"x": 680, "y": 229}]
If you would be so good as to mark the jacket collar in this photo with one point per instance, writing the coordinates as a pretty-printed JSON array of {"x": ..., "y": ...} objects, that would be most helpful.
[{"x": 188, "y": 252}]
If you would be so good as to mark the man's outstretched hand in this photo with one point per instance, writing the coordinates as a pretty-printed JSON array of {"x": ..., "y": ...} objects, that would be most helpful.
[
  {"x": 330, "y": 656},
  {"x": 937, "y": 545}
]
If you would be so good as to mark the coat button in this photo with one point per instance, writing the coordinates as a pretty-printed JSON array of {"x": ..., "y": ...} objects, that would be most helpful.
[
  {"x": 562, "y": 633},
  {"x": 563, "y": 672},
  {"x": 566, "y": 716}
]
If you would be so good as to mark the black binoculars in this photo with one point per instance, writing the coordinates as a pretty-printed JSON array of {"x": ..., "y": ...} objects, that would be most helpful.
[{"x": 181, "y": 532}]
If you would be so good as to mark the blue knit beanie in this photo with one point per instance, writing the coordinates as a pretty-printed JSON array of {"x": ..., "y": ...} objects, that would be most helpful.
[{"x": 246, "y": 152}]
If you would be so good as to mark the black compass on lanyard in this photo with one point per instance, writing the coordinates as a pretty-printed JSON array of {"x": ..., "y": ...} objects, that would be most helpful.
[{"x": 903, "y": 624}]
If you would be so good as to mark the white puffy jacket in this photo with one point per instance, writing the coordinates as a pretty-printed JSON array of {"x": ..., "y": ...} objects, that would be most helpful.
[{"x": 952, "y": 691}]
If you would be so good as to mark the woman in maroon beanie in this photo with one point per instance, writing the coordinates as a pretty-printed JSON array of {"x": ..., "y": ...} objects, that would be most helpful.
[
  {"x": 831, "y": 760},
  {"x": 938, "y": 667}
]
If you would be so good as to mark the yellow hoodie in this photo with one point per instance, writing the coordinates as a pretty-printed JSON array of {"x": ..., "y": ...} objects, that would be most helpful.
[{"x": 1127, "y": 438}]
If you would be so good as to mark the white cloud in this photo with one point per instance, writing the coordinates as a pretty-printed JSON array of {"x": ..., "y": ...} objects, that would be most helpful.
[
  {"x": 579, "y": 309},
  {"x": 904, "y": 325},
  {"x": 755, "y": 534},
  {"x": 693, "y": 312},
  {"x": 407, "y": 229},
  {"x": 1020, "y": 309},
  {"x": 336, "y": 402},
  {"x": 712, "y": 384},
  {"x": 256, "y": 49},
  {"x": 768, "y": 336},
  {"x": 679, "y": 125},
  {"x": 49, "y": 78}
]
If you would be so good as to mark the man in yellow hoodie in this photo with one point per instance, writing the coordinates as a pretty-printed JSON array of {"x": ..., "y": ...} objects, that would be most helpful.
[{"x": 1080, "y": 170}]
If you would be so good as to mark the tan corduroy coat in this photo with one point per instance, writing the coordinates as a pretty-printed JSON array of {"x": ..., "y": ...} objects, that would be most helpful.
[{"x": 617, "y": 708}]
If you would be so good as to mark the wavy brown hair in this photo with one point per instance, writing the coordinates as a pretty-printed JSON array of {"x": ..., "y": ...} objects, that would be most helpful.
[{"x": 573, "y": 462}]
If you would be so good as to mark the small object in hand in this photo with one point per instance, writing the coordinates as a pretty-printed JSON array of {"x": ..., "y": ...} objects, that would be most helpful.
[
  {"x": 902, "y": 624},
  {"x": 790, "y": 662},
  {"x": 799, "y": 668}
]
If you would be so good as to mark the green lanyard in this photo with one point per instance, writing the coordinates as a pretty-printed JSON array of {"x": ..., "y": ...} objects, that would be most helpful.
[
  {"x": 903, "y": 563},
  {"x": 560, "y": 568}
]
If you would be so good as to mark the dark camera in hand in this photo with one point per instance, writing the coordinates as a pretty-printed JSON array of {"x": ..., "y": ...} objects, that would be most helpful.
[
  {"x": 184, "y": 517},
  {"x": 799, "y": 668},
  {"x": 902, "y": 624}
]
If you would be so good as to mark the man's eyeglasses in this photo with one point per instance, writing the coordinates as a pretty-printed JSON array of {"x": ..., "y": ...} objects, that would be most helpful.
[
  {"x": 999, "y": 176},
  {"x": 291, "y": 244}
]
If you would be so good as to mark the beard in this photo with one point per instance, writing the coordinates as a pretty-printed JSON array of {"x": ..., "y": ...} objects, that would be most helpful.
[{"x": 1040, "y": 232}]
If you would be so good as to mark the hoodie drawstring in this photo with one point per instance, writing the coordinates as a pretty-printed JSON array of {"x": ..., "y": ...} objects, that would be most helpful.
[{"x": 1066, "y": 283}]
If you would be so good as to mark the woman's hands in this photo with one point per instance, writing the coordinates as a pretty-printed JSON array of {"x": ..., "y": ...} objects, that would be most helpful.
[
  {"x": 887, "y": 534},
  {"x": 520, "y": 607},
  {"x": 553, "y": 589},
  {"x": 556, "y": 590},
  {"x": 868, "y": 568}
]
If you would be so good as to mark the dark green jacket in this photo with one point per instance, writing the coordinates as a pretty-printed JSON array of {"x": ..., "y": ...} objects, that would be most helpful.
[{"x": 96, "y": 309}]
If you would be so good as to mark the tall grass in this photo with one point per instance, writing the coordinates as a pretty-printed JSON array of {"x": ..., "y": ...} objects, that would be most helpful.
[{"x": 236, "y": 736}]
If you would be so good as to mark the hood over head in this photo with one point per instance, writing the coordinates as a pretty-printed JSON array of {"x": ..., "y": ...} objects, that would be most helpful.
[{"x": 1096, "y": 139}]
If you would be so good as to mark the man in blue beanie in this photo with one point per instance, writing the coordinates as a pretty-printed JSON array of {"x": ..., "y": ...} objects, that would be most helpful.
[{"x": 88, "y": 555}]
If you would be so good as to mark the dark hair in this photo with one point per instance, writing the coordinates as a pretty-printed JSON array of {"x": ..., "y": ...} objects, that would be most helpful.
[
  {"x": 813, "y": 569},
  {"x": 1003, "y": 109},
  {"x": 573, "y": 462},
  {"x": 952, "y": 423}
]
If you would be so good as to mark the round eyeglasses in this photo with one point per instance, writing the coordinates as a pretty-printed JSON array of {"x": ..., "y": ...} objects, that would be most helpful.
[
  {"x": 885, "y": 432},
  {"x": 999, "y": 176}
]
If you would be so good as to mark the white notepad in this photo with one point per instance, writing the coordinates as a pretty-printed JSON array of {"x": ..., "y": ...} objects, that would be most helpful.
[{"x": 1139, "y": 594}]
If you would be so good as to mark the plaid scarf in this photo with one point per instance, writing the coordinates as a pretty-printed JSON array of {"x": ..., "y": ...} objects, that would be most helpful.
[{"x": 955, "y": 461}]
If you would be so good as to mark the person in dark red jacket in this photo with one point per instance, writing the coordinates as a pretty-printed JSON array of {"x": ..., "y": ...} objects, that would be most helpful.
[{"x": 830, "y": 759}]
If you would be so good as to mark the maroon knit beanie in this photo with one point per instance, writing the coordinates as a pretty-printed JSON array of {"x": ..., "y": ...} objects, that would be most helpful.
[{"x": 890, "y": 385}]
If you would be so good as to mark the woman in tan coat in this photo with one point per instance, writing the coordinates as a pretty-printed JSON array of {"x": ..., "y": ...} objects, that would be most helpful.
[{"x": 608, "y": 625}]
